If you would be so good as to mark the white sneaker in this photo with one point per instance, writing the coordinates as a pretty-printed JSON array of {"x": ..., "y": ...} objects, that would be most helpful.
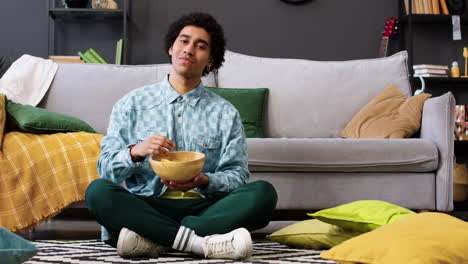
[
  {"x": 235, "y": 245},
  {"x": 130, "y": 244}
]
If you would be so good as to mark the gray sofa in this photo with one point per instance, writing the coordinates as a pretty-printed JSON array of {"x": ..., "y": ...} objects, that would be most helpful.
[{"x": 309, "y": 103}]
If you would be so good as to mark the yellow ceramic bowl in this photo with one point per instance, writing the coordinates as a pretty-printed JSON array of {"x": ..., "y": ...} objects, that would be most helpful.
[{"x": 178, "y": 166}]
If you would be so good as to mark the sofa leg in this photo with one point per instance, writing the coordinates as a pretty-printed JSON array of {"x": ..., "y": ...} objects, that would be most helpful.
[{"x": 423, "y": 211}]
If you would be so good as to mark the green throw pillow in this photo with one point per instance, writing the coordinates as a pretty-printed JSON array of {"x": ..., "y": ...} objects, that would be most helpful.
[
  {"x": 15, "y": 249},
  {"x": 37, "y": 120},
  {"x": 312, "y": 234},
  {"x": 362, "y": 216},
  {"x": 250, "y": 104}
]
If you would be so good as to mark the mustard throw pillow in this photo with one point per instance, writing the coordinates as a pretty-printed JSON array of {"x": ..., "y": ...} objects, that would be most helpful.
[
  {"x": 312, "y": 234},
  {"x": 362, "y": 216},
  {"x": 388, "y": 115},
  {"x": 419, "y": 239}
]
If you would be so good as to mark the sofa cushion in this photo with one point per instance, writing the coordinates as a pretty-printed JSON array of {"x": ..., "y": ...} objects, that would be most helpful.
[
  {"x": 342, "y": 155},
  {"x": 313, "y": 99},
  {"x": 388, "y": 115},
  {"x": 89, "y": 91},
  {"x": 250, "y": 104},
  {"x": 36, "y": 120},
  {"x": 318, "y": 190}
]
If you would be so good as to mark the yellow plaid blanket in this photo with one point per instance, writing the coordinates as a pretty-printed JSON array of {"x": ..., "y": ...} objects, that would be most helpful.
[{"x": 42, "y": 174}]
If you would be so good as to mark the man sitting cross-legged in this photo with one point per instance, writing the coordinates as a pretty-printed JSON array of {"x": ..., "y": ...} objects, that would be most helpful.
[{"x": 212, "y": 214}]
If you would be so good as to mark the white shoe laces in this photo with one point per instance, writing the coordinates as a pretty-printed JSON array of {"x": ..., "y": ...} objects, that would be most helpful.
[{"x": 218, "y": 245}]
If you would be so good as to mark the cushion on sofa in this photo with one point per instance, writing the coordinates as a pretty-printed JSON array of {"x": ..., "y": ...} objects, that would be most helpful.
[
  {"x": 312, "y": 234},
  {"x": 250, "y": 104},
  {"x": 388, "y": 115},
  {"x": 419, "y": 239},
  {"x": 30, "y": 119},
  {"x": 337, "y": 154},
  {"x": 363, "y": 216},
  {"x": 313, "y": 99}
]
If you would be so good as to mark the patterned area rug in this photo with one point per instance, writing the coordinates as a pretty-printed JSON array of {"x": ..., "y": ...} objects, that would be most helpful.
[{"x": 95, "y": 251}]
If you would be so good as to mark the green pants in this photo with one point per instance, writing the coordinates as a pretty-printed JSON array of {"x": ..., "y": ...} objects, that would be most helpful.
[{"x": 158, "y": 219}]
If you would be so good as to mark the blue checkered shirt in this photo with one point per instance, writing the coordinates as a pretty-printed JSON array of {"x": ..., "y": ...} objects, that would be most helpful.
[{"x": 196, "y": 121}]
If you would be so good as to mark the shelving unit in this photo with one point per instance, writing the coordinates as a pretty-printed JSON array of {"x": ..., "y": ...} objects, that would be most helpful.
[
  {"x": 79, "y": 14},
  {"x": 85, "y": 13},
  {"x": 436, "y": 85},
  {"x": 410, "y": 20},
  {"x": 444, "y": 80},
  {"x": 431, "y": 19}
]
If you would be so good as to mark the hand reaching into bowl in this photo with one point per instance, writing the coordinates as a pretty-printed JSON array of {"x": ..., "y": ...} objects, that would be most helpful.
[
  {"x": 201, "y": 180},
  {"x": 155, "y": 144}
]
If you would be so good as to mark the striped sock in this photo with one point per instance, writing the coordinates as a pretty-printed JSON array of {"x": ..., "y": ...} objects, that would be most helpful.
[{"x": 186, "y": 240}]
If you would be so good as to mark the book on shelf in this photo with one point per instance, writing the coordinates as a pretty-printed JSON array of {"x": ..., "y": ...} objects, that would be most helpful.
[
  {"x": 430, "y": 66},
  {"x": 434, "y": 71},
  {"x": 443, "y": 7},
  {"x": 426, "y": 7},
  {"x": 430, "y": 75},
  {"x": 427, "y": 10},
  {"x": 419, "y": 7},
  {"x": 63, "y": 57},
  {"x": 73, "y": 59},
  {"x": 118, "y": 52},
  {"x": 86, "y": 58},
  {"x": 435, "y": 7},
  {"x": 97, "y": 56},
  {"x": 91, "y": 56}
]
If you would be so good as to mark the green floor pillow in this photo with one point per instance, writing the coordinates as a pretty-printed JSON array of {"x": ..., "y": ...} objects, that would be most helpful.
[{"x": 15, "y": 249}]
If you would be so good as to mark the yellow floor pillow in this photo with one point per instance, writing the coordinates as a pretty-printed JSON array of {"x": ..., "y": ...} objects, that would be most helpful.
[
  {"x": 418, "y": 239},
  {"x": 312, "y": 234}
]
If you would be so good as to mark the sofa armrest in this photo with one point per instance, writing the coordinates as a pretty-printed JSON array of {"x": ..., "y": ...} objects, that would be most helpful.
[{"x": 437, "y": 126}]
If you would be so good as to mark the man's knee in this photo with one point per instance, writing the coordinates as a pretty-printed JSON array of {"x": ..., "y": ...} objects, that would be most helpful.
[
  {"x": 96, "y": 193},
  {"x": 265, "y": 188},
  {"x": 266, "y": 192},
  {"x": 264, "y": 203}
]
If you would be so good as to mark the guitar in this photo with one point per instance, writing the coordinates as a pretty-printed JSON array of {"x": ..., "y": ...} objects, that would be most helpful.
[{"x": 391, "y": 27}]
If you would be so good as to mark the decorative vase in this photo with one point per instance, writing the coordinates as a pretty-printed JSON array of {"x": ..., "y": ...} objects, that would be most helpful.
[
  {"x": 99, "y": 3},
  {"x": 76, "y": 3},
  {"x": 112, "y": 5},
  {"x": 106, "y": 4}
]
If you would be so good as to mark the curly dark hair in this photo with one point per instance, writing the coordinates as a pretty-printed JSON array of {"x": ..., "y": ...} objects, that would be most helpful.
[{"x": 208, "y": 23}]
